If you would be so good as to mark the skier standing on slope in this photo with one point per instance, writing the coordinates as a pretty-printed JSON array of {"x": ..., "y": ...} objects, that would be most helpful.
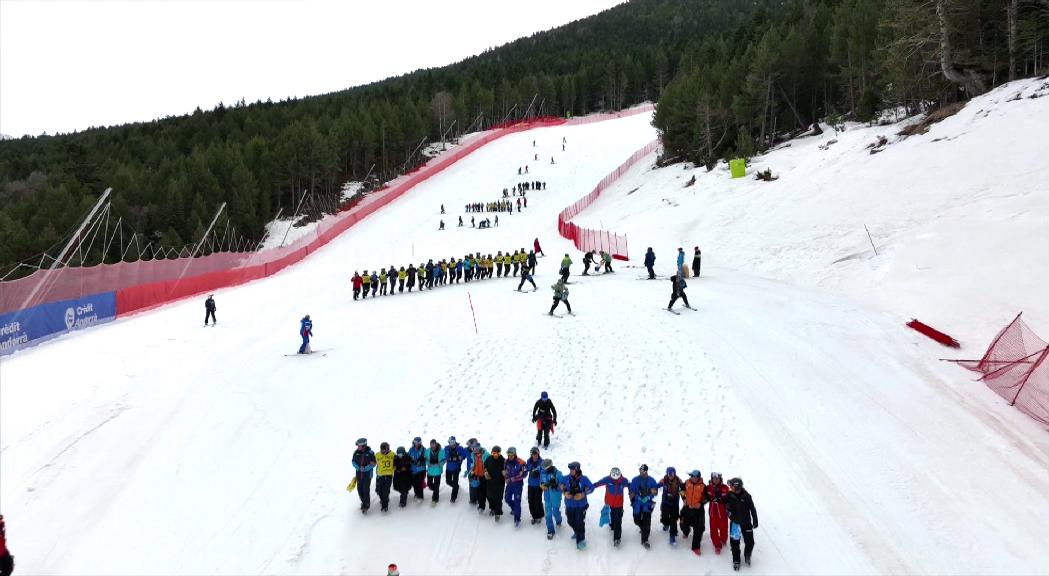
[
  {"x": 434, "y": 469},
  {"x": 576, "y": 487},
  {"x": 475, "y": 472},
  {"x": 670, "y": 507},
  {"x": 384, "y": 475},
  {"x": 650, "y": 261},
  {"x": 364, "y": 462},
  {"x": 550, "y": 481},
  {"x": 306, "y": 331},
  {"x": 454, "y": 455},
  {"x": 7, "y": 561},
  {"x": 643, "y": 490},
  {"x": 526, "y": 276},
  {"x": 418, "y": 456},
  {"x": 496, "y": 482},
  {"x": 744, "y": 520},
  {"x": 677, "y": 290},
  {"x": 681, "y": 262},
  {"x": 356, "y": 281},
  {"x": 615, "y": 487},
  {"x": 560, "y": 295},
  {"x": 402, "y": 474},
  {"x": 717, "y": 493},
  {"x": 693, "y": 517},
  {"x": 588, "y": 259},
  {"x": 544, "y": 414},
  {"x": 566, "y": 264},
  {"x": 531, "y": 261},
  {"x": 534, "y": 466},
  {"x": 536, "y": 248},
  {"x": 515, "y": 471},
  {"x": 209, "y": 310},
  {"x": 697, "y": 260}
]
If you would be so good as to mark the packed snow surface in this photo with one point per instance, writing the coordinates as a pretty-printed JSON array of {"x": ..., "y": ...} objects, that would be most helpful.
[{"x": 153, "y": 445}]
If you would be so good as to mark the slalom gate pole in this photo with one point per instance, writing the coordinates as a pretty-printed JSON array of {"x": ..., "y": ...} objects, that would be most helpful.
[{"x": 472, "y": 313}]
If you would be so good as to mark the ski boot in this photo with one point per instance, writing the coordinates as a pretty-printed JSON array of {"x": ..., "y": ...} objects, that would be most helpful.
[
  {"x": 673, "y": 540},
  {"x": 747, "y": 560},
  {"x": 697, "y": 552},
  {"x": 615, "y": 543},
  {"x": 735, "y": 566},
  {"x": 536, "y": 521},
  {"x": 581, "y": 545},
  {"x": 517, "y": 523},
  {"x": 549, "y": 535},
  {"x": 646, "y": 545}
]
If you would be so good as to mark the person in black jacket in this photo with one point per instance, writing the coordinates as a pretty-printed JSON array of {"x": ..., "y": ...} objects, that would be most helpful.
[
  {"x": 697, "y": 260},
  {"x": 411, "y": 277},
  {"x": 495, "y": 482},
  {"x": 402, "y": 474},
  {"x": 545, "y": 417},
  {"x": 741, "y": 511},
  {"x": 588, "y": 259},
  {"x": 650, "y": 261},
  {"x": 678, "y": 291},
  {"x": 209, "y": 309},
  {"x": 364, "y": 464},
  {"x": 531, "y": 261}
]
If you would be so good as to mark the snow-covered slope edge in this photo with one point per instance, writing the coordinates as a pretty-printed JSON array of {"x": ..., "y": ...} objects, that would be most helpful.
[{"x": 959, "y": 215}]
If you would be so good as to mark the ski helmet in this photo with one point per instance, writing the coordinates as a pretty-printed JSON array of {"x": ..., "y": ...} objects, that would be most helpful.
[
  {"x": 544, "y": 395},
  {"x": 496, "y": 448},
  {"x": 511, "y": 450},
  {"x": 384, "y": 446},
  {"x": 574, "y": 466},
  {"x": 695, "y": 474},
  {"x": 400, "y": 450},
  {"x": 643, "y": 468},
  {"x": 534, "y": 450},
  {"x": 615, "y": 474},
  {"x": 671, "y": 471},
  {"x": 451, "y": 441},
  {"x": 715, "y": 476},
  {"x": 736, "y": 483},
  {"x": 548, "y": 464},
  {"x": 362, "y": 441},
  {"x": 417, "y": 440}
]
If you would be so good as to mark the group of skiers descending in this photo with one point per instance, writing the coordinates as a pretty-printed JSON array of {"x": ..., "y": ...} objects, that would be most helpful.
[
  {"x": 450, "y": 271},
  {"x": 492, "y": 478}
]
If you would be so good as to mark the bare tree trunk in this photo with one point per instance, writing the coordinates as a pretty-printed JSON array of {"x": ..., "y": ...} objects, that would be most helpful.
[
  {"x": 970, "y": 80},
  {"x": 1010, "y": 18}
]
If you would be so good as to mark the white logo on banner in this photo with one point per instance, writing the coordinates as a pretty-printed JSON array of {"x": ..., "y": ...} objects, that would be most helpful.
[{"x": 70, "y": 318}]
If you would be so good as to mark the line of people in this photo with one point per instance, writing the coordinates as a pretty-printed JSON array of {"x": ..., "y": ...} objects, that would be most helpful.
[
  {"x": 495, "y": 206},
  {"x": 494, "y": 479},
  {"x": 445, "y": 271}
]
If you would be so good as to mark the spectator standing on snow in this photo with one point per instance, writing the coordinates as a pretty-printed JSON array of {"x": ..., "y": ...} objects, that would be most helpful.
[
  {"x": 531, "y": 261},
  {"x": 515, "y": 471},
  {"x": 209, "y": 310},
  {"x": 677, "y": 290},
  {"x": 454, "y": 456},
  {"x": 606, "y": 258},
  {"x": 717, "y": 494},
  {"x": 375, "y": 282},
  {"x": 615, "y": 488},
  {"x": 560, "y": 295},
  {"x": 643, "y": 490},
  {"x": 550, "y": 482},
  {"x": 576, "y": 487},
  {"x": 534, "y": 467},
  {"x": 697, "y": 257},
  {"x": 306, "y": 331},
  {"x": 391, "y": 274},
  {"x": 363, "y": 463},
  {"x": 650, "y": 261},
  {"x": 475, "y": 473},
  {"x": 402, "y": 474},
  {"x": 670, "y": 507},
  {"x": 418, "y": 455},
  {"x": 496, "y": 482},
  {"x": 744, "y": 520},
  {"x": 401, "y": 275},
  {"x": 535, "y": 245},
  {"x": 434, "y": 469},
  {"x": 357, "y": 282},
  {"x": 693, "y": 517},
  {"x": 544, "y": 414},
  {"x": 681, "y": 262},
  {"x": 384, "y": 475}
]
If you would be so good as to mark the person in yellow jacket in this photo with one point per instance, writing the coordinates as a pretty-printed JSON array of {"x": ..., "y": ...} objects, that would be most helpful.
[
  {"x": 366, "y": 281},
  {"x": 384, "y": 470},
  {"x": 401, "y": 275},
  {"x": 499, "y": 264},
  {"x": 382, "y": 282},
  {"x": 422, "y": 276},
  {"x": 516, "y": 261}
]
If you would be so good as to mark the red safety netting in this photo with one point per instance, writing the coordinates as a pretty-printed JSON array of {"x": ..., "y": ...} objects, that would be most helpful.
[
  {"x": 1016, "y": 367},
  {"x": 586, "y": 239},
  {"x": 148, "y": 283}
]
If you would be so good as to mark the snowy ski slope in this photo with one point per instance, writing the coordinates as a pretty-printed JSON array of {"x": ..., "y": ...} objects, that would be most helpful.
[{"x": 155, "y": 446}]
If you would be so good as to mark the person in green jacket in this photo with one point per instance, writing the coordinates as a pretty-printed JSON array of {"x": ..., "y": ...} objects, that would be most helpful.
[
  {"x": 434, "y": 469},
  {"x": 560, "y": 295},
  {"x": 566, "y": 263}
]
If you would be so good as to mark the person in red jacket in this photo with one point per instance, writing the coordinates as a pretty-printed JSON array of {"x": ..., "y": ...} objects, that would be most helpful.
[
  {"x": 7, "y": 561},
  {"x": 615, "y": 486},
  {"x": 535, "y": 245},
  {"x": 717, "y": 490},
  {"x": 357, "y": 283}
]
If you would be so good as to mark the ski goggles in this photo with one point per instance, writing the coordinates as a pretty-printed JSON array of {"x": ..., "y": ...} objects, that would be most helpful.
[{"x": 616, "y": 474}]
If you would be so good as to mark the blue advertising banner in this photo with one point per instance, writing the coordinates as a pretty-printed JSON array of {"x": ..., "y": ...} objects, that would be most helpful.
[{"x": 27, "y": 327}]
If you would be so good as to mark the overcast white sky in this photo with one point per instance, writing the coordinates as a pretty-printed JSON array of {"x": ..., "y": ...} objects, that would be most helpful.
[{"x": 67, "y": 65}]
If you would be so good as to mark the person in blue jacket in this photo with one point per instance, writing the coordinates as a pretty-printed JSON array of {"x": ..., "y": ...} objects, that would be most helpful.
[
  {"x": 681, "y": 262},
  {"x": 475, "y": 473},
  {"x": 534, "y": 466},
  {"x": 643, "y": 491},
  {"x": 434, "y": 469},
  {"x": 454, "y": 455},
  {"x": 550, "y": 481},
  {"x": 650, "y": 261},
  {"x": 363, "y": 463},
  {"x": 576, "y": 487},
  {"x": 306, "y": 331},
  {"x": 418, "y": 455},
  {"x": 515, "y": 471}
]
